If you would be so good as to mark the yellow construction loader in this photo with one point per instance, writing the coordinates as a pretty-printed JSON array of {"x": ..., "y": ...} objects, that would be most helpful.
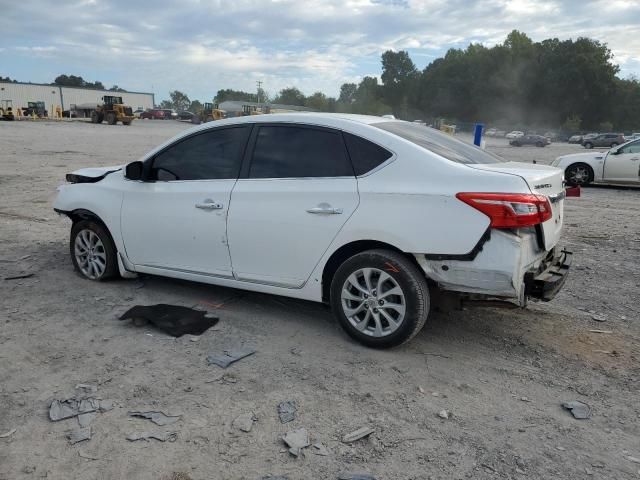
[
  {"x": 6, "y": 110},
  {"x": 209, "y": 113},
  {"x": 113, "y": 111}
]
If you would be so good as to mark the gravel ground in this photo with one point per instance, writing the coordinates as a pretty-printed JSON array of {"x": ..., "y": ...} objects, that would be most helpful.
[{"x": 501, "y": 373}]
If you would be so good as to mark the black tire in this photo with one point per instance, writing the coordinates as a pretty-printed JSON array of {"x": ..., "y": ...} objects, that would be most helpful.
[
  {"x": 126, "y": 122},
  {"x": 95, "y": 117},
  {"x": 614, "y": 144},
  {"x": 588, "y": 145},
  {"x": 406, "y": 275},
  {"x": 540, "y": 144},
  {"x": 578, "y": 180},
  {"x": 111, "y": 118},
  {"x": 111, "y": 264}
]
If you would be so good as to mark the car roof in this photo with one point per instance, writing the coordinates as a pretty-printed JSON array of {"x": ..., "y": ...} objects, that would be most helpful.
[{"x": 304, "y": 117}]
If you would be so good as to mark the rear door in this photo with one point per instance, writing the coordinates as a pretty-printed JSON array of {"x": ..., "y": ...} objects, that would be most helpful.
[
  {"x": 624, "y": 165},
  {"x": 293, "y": 197}
]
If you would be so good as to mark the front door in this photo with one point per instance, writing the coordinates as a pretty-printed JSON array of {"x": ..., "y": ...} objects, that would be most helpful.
[
  {"x": 298, "y": 192},
  {"x": 625, "y": 165},
  {"x": 177, "y": 219}
]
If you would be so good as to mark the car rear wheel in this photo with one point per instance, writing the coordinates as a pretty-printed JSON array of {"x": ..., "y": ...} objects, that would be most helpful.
[
  {"x": 588, "y": 145},
  {"x": 578, "y": 174},
  {"x": 380, "y": 298},
  {"x": 614, "y": 144},
  {"x": 92, "y": 251}
]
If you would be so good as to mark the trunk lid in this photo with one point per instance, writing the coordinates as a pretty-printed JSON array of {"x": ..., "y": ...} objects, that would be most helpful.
[{"x": 542, "y": 180}]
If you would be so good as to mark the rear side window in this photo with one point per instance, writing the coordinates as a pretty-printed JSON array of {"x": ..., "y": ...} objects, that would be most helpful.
[
  {"x": 296, "y": 152},
  {"x": 438, "y": 142},
  {"x": 365, "y": 155},
  {"x": 213, "y": 155}
]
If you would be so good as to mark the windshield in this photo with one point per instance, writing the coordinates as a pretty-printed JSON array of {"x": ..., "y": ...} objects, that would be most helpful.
[{"x": 438, "y": 142}]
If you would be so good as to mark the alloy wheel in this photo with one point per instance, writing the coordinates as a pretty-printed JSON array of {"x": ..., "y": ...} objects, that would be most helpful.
[
  {"x": 90, "y": 254},
  {"x": 373, "y": 302}
]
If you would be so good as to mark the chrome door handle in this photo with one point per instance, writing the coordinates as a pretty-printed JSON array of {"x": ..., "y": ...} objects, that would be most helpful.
[
  {"x": 209, "y": 206},
  {"x": 325, "y": 210}
]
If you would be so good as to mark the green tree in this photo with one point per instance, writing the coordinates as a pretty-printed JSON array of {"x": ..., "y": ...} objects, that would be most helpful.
[
  {"x": 572, "y": 123},
  {"x": 116, "y": 88},
  {"x": 180, "y": 101},
  {"x": 166, "y": 104},
  {"x": 348, "y": 93},
  {"x": 195, "y": 106},
  {"x": 230, "y": 94},
  {"x": 290, "y": 96},
  {"x": 318, "y": 101},
  {"x": 399, "y": 75}
]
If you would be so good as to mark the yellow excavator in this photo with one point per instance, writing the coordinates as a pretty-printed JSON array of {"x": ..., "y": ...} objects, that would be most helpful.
[
  {"x": 209, "y": 113},
  {"x": 6, "y": 110}
]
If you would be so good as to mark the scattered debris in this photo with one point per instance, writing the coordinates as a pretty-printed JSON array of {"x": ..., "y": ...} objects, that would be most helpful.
[
  {"x": 357, "y": 434},
  {"x": 578, "y": 409},
  {"x": 158, "y": 418},
  {"x": 84, "y": 390},
  {"x": 79, "y": 435},
  {"x": 355, "y": 476},
  {"x": 106, "y": 405},
  {"x": 229, "y": 356},
  {"x": 162, "y": 436},
  {"x": 600, "y": 331},
  {"x": 632, "y": 459},
  {"x": 287, "y": 411},
  {"x": 444, "y": 414},
  {"x": 61, "y": 409},
  {"x": 87, "y": 456},
  {"x": 320, "y": 449},
  {"x": 599, "y": 318},
  {"x": 296, "y": 440},
  {"x": 19, "y": 277},
  {"x": 8, "y": 434},
  {"x": 85, "y": 419},
  {"x": 173, "y": 319},
  {"x": 421, "y": 390},
  {"x": 244, "y": 422},
  {"x": 277, "y": 477},
  {"x": 525, "y": 399}
]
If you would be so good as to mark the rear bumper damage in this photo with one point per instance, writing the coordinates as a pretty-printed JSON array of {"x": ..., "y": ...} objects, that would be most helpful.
[{"x": 509, "y": 265}]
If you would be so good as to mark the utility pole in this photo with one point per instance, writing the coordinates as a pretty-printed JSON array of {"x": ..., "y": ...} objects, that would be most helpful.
[{"x": 259, "y": 84}]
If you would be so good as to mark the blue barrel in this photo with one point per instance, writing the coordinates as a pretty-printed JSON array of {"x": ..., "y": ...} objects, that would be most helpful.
[{"x": 477, "y": 134}]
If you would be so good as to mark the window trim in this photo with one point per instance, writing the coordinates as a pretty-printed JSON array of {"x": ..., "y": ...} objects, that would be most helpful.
[
  {"x": 148, "y": 163},
  {"x": 253, "y": 140}
]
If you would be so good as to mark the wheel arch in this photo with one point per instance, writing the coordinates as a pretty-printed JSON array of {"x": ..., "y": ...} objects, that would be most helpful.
[
  {"x": 80, "y": 214},
  {"x": 592, "y": 171},
  {"x": 348, "y": 250}
]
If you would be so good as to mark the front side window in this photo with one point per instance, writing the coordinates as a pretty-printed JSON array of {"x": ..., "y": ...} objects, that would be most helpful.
[
  {"x": 299, "y": 152},
  {"x": 439, "y": 143},
  {"x": 633, "y": 147},
  {"x": 212, "y": 155}
]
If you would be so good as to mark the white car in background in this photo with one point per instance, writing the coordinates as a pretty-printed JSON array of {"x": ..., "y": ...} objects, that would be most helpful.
[
  {"x": 369, "y": 214},
  {"x": 514, "y": 134},
  {"x": 620, "y": 164}
]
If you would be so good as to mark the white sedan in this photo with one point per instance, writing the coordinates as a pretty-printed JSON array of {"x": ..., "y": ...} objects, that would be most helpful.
[
  {"x": 620, "y": 165},
  {"x": 369, "y": 214},
  {"x": 514, "y": 134}
]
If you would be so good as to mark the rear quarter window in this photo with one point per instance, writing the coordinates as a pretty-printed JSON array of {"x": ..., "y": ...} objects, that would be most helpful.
[
  {"x": 365, "y": 155},
  {"x": 439, "y": 143}
]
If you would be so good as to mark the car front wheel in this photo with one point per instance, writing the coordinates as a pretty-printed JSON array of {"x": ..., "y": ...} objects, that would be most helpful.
[
  {"x": 578, "y": 174},
  {"x": 380, "y": 298},
  {"x": 588, "y": 145},
  {"x": 92, "y": 251}
]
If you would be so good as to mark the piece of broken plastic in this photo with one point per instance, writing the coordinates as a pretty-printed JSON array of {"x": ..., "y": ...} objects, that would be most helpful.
[
  {"x": 161, "y": 436},
  {"x": 287, "y": 411},
  {"x": 61, "y": 409},
  {"x": 296, "y": 440},
  {"x": 158, "y": 418},
  {"x": 175, "y": 320},
  {"x": 229, "y": 356},
  {"x": 578, "y": 409},
  {"x": 79, "y": 435}
]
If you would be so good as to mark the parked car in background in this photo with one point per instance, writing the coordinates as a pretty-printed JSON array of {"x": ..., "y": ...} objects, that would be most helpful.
[
  {"x": 170, "y": 114},
  {"x": 339, "y": 189},
  {"x": 514, "y": 134},
  {"x": 633, "y": 136},
  {"x": 137, "y": 113},
  {"x": 619, "y": 165},
  {"x": 608, "y": 140},
  {"x": 153, "y": 114},
  {"x": 186, "y": 115},
  {"x": 575, "y": 139},
  {"x": 491, "y": 132},
  {"x": 537, "y": 140}
]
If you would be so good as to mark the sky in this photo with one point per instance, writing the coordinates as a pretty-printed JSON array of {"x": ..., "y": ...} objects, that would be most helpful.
[{"x": 201, "y": 46}]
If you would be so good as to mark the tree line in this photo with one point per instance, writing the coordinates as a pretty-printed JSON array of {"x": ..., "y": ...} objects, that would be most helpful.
[{"x": 570, "y": 85}]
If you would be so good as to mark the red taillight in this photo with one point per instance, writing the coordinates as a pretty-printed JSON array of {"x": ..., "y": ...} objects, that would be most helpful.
[{"x": 510, "y": 210}]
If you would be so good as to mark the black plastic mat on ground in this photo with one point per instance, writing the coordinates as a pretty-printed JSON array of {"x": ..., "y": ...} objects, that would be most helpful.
[{"x": 173, "y": 319}]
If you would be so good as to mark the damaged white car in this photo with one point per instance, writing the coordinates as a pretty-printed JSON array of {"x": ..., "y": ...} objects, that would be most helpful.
[
  {"x": 369, "y": 214},
  {"x": 620, "y": 165}
]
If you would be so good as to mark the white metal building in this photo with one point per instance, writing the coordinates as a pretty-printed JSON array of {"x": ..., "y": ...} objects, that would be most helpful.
[{"x": 67, "y": 97}]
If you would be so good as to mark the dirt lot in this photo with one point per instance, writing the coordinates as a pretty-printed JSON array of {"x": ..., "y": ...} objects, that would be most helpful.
[{"x": 502, "y": 373}]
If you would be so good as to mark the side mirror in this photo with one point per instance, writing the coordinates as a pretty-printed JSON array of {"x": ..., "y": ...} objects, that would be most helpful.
[{"x": 133, "y": 171}]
